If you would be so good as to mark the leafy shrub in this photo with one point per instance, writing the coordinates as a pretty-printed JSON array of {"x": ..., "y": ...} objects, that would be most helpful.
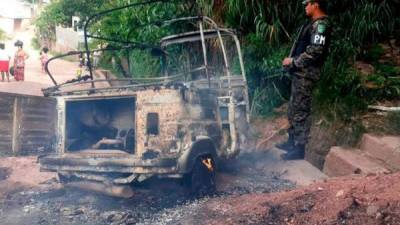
[
  {"x": 393, "y": 122},
  {"x": 267, "y": 29},
  {"x": 3, "y": 35}
]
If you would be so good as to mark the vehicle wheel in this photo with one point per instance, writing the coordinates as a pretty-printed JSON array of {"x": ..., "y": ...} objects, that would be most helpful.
[{"x": 202, "y": 178}]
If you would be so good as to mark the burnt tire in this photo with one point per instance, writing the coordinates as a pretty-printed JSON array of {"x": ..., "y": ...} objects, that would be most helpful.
[{"x": 201, "y": 180}]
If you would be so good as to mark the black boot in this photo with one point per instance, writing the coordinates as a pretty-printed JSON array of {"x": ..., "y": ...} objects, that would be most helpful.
[
  {"x": 287, "y": 146},
  {"x": 297, "y": 153}
]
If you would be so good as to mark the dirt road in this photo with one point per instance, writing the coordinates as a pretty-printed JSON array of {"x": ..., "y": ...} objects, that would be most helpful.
[
  {"x": 35, "y": 78},
  {"x": 155, "y": 202},
  {"x": 28, "y": 196},
  {"x": 246, "y": 195}
]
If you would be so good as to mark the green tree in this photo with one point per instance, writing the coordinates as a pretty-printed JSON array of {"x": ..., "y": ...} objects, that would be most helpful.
[
  {"x": 3, "y": 35},
  {"x": 125, "y": 25},
  {"x": 60, "y": 12},
  {"x": 266, "y": 31}
]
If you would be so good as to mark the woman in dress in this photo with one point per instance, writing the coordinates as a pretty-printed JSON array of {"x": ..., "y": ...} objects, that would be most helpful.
[{"x": 19, "y": 61}]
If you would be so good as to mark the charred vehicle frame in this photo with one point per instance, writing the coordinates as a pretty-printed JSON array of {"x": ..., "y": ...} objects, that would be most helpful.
[{"x": 114, "y": 132}]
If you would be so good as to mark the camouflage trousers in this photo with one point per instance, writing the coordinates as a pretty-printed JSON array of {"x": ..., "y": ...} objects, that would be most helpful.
[{"x": 299, "y": 112}]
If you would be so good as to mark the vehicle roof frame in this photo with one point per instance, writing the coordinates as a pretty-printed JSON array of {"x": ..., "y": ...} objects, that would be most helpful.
[{"x": 201, "y": 20}]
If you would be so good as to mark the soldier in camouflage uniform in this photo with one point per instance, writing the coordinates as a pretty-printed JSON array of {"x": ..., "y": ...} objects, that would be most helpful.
[{"x": 306, "y": 59}]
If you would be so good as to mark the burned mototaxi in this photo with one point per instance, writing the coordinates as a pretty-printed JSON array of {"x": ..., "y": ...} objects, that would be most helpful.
[{"x": 178, "y": 124}]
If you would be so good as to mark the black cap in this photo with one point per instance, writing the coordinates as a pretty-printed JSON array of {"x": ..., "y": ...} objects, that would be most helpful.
[{"x": 18, "y": 43}]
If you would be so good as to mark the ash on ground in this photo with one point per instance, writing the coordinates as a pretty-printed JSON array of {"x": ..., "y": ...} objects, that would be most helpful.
[{"x": 156, "y": 201}]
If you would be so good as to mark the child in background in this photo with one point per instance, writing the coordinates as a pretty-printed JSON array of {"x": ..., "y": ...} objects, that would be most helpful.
[
  {"x": 81, "y": 64},
  {"x": 4, "y": 63},
  {"x": 44, "y": 57},
  {"x": 79, "y": 72}
]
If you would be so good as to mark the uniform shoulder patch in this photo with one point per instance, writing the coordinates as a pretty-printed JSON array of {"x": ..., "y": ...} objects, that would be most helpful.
[
  {"x": 321, "y": 28},
  {"x": 318, "y": 37}
]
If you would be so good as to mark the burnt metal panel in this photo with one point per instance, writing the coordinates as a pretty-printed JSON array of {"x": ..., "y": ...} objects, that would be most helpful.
[
  {"x": 26, "y": 123},
  {"x": 6, "y": 123},
  {"x": 37, "y": 124},
  {"x": 103, "y": 162}
]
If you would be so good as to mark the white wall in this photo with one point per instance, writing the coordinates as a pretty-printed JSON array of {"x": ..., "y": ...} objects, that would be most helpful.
[
  {"x": 67, "y": 38},
  {"x": 7, "y": 25},
  {"x": 15, "y": 9}
]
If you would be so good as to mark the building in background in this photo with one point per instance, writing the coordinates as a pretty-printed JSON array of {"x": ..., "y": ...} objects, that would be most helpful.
[
  {"x": 69, "y": 38},
  {"x": 15, "y": 15}
]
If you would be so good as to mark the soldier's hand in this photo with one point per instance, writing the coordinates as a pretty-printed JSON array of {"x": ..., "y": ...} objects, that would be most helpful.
[{"x": 287, "y": 62}]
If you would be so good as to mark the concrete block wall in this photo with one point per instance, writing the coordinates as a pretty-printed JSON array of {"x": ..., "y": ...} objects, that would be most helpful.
[{"x": 377, "y": 154}]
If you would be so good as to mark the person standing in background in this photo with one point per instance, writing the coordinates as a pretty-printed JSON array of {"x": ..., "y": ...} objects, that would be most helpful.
[
  {"x": 19, "y": 61},
  {"x": 96, "y": 58},
  {"x": 310, "y": 51},
  {"x": 4, "y": 63},
  {"x": 44, "y": 57}
]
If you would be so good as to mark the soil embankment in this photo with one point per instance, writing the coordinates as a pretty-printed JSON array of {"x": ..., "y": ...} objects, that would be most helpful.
[{"x": 367, "y": 200}]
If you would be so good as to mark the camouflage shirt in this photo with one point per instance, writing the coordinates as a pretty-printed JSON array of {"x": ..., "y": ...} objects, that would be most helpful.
[{"x": 311, "y": 48}]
